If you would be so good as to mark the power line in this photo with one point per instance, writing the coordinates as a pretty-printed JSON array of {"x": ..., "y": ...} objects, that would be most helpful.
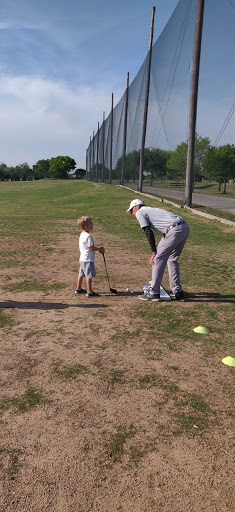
[
  {"x": 225, "y": 124},
  {"x": 233, "y": 6}
]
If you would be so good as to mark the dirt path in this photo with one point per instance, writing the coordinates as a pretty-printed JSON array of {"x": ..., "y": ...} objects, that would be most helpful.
[{"x": 90, "y": 394}]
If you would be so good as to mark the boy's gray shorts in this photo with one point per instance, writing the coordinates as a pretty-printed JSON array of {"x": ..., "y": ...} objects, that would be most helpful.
[{"x": 87, "y": 269}]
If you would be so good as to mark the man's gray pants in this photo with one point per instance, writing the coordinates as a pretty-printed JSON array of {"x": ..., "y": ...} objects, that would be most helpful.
[{"x": 168, "y": 252}]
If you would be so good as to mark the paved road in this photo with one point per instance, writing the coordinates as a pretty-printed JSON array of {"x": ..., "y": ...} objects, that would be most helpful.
[{"x": 221, "y": 203}]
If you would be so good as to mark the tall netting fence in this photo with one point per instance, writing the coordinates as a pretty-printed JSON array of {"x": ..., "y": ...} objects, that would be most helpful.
[{"x": 169, "y": 93}]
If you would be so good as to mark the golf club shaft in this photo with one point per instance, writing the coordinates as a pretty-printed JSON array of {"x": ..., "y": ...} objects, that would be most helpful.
[{"x": 106, "y": 270}]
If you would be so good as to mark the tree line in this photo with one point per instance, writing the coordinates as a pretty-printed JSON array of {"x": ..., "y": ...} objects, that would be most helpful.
[
  {"x": 210, "y": 162},
  {"x": 60, "y": 167}
]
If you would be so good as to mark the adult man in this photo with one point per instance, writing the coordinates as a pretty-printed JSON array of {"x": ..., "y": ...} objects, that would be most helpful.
[{"x": 175, "y": 232}]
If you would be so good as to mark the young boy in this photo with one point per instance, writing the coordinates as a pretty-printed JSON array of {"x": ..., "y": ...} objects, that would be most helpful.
[{"x": 87, "y": 256}]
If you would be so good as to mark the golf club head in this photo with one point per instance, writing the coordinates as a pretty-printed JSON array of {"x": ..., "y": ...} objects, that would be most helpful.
[{"x": 113, "y": 290}]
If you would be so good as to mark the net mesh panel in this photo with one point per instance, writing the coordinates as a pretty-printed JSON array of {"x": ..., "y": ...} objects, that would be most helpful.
[
  {"x": 217, "y": 73},
  {"x": 170, "y": 89},
  {"x": 170, "y": 78}
]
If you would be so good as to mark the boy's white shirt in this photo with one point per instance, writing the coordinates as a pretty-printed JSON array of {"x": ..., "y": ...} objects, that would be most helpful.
[{"x": 85, "y": 242}]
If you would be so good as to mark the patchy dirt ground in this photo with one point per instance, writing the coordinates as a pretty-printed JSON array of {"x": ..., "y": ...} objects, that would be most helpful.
[{"x": 101, "y": 409}]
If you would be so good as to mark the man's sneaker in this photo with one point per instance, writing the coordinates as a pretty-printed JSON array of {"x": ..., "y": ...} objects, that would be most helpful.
[
  {"x": 179, "y": 295},
  {"x": 92, "y": 294},
  {"x": 79, "y": 290},
  {"x": 150, "y": 296}
]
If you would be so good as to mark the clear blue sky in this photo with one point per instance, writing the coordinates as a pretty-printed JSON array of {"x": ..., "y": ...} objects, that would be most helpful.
[
  {"x": 59, "y": 63},
  {"x": 61, "y": 60}
]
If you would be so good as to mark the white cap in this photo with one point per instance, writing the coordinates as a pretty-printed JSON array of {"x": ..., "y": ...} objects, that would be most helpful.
[{"x": 135, "y": 202}]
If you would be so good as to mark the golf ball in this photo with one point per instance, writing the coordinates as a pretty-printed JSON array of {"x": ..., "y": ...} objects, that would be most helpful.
[
  {"x": 132, "y": 291},
  {"x": 127, "y": 289}
]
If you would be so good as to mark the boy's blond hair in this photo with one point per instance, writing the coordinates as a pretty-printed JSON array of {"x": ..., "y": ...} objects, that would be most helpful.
[{"x": 83, "y": 221}]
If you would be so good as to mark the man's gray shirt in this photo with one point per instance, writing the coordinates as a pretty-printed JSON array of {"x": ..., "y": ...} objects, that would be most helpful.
[{"x": 156, "y": 218}]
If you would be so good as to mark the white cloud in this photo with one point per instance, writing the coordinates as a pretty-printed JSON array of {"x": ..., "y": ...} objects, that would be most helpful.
[
  {"x": 9, "y": 25},
  {"x": 41, "y": 119}
]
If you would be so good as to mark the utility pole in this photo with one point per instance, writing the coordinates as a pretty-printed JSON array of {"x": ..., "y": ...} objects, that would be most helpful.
[
  {"x": 193, "y": 104},
  {"x": 97, "y": 152},
  {"x": 90, "y": 160},
  {"x": 93, "y": 155},
  {"x": 124, "y": 133},
  {"x": 103, "y": 134},
  {"x": 111, "y": 144},
  {"x": 141, "y": 168}
]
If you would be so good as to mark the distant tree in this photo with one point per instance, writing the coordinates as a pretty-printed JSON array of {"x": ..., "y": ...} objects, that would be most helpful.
[
  {"x": 4, "y": 172},
  {"x": 41, "y": 169},
  {"x": 132, "y": 162},
  {"x": 201, "y": 146},
  {"x": 11, "y": 171},
  {"x": 176, "y": 165},
  {"x": 219, "y": 164},
  {"x": 61, "y": 166},
  {"x": 118, "y": 168},
  {"x": 80, "y": 173},
  {"x": 22, "y": 172},
  {"x": 155, "y": 162}
]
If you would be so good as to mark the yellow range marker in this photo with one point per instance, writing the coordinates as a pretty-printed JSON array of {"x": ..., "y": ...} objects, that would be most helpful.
[
  {"x": 229, "y": 360},
  {"x": 201, "y": 329}
]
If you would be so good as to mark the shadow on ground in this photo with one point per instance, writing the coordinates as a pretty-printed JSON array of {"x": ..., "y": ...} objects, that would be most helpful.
[
  {"x": 192, "y": 297},
  {"x": 14, "y": 304},
  {"x": 209, "y": 297}
]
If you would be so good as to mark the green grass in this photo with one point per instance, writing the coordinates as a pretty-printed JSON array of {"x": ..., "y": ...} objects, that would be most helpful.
[
  {"x": 153, "y": 375},
  {"x": 152, "y": 380},
  {"x": 45, "y": 204},
  {"x": 116, "y": 376},
  {"x": 190, "y": 413},
  {"x": 5, "y": 319},
  {"x": 71, "y": 372},
  {"x": 124, "y": 335},
  {"x": 33, "y": 286},
  {"x": 194, "y": 414},
  {"x": 13, "y": 463},
  {"x": 31, "y": 398},
  {"x": 154, "y": 354},
  {"x": 115, "y": 446},
  {"x": 207, "y": 262}
]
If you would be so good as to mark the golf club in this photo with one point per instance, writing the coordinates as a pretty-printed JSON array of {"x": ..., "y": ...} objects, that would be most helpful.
[{"x": 111, "y": 289}]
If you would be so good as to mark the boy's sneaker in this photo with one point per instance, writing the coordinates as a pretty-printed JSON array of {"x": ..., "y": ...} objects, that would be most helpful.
[
  {"x": 79, "y": 290},
  {"x": 150, "y": 296},
  {"x": 92, "y": 294}
]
